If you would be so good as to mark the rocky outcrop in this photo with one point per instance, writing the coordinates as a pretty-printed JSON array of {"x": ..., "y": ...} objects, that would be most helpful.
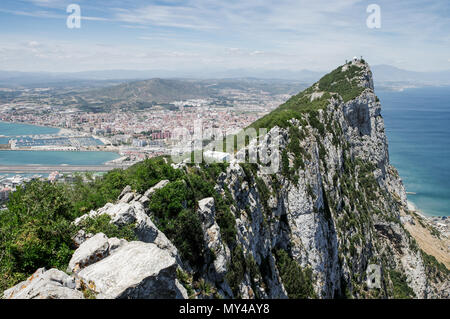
[
  {"x": 153, "y": 189},
  {"x": 93, "y": 250},
  {"x": 107, "y": 268},
  {"x": 338, "y": 213},
  {"x": 45, "y": 284},
  {"x": 213, "y": 241},
  {"x": 133, "y": 212},
  {"x": 134, "y": 270}
]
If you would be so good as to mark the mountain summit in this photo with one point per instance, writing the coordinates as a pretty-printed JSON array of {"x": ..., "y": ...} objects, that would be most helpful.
[{"x": 326, "y": 225}]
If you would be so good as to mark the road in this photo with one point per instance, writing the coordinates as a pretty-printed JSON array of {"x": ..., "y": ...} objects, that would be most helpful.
[{"x": 17, "y": 169}]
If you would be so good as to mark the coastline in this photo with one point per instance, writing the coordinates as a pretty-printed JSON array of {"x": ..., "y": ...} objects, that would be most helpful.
[
  {"x": 61, "y": 132},
  {"x": 418, "y": 145},
  {"x": 432, "y": 234},
  {"x": 31, "y": 124},
  {"x": 13, "y": 158},
  {"x": 441, "y": 223}
]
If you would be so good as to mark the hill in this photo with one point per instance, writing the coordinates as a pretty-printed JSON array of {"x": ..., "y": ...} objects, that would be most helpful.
[
  {"x": 155, "y": 90},
  {"x": 319, "y": 226}
]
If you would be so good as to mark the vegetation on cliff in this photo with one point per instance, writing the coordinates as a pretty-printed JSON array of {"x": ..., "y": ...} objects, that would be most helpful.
[
  {"x": 37, "y": 230},
  {"x": 340, "y": 82},
  {"x": 296, "y": 281}
]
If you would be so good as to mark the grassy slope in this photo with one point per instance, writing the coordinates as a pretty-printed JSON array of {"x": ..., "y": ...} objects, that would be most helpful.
[{"x": 338, "y": 82}]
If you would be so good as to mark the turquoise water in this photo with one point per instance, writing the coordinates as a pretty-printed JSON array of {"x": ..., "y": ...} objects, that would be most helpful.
[
  {"x": 45, "y": 157},
  {"x": 13, "y": 130},
  {"x": 418, "y": 128},
  {"x": 18, "y": 129},
  {"x": 55, "y": 157}
]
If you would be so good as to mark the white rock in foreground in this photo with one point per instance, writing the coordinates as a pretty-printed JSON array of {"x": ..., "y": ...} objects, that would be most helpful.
[
  {"x": 93, "y": 250},
  {"x": 152, "y": 190},
  {"x": 135, "y": 270},
  {"x": 213, "y": 239},
  {"x": 50, "y": 284}
]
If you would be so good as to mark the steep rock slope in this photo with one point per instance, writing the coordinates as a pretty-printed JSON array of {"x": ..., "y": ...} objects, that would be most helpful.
[
  {"x": 335, "y": 204},
  {"x": 309, "y": 230}
]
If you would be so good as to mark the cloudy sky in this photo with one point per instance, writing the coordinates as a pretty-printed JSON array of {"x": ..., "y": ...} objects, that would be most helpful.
[{"x": 222, "y": 34}]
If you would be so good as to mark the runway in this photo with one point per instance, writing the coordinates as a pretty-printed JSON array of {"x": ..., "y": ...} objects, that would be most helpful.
[{"x": 26, "y": 169}]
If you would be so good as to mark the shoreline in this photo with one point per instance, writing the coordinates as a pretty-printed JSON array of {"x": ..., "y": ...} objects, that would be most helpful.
[
  {"x": 441, "y": 223},
  {"x": 432, "y": 234},
  {"x": 44, "y": 157},
  {"x": 413, "y": 207},
  {"x": 38, "y": 125},
  {"x": 62, "y": 133}
]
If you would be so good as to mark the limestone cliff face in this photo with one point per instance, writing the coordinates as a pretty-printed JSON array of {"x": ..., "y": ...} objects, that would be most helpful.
[
  {"x": 336, "y": 213},
  {"x": 309, "y": 230}
]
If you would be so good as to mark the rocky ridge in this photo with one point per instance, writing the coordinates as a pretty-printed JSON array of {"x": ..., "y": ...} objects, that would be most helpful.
[{"x": 311, "y": 230}]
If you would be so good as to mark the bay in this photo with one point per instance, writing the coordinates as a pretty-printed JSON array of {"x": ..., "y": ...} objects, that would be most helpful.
[
  {"x": 55, "y": 157},
  {"x": 45, "y": 157},
  {"x": 417, "y": 125},
  {"x": 20, "y": 129}
]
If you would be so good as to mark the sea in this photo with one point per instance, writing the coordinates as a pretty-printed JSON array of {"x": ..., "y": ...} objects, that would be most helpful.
[
  {"x": 18, "y": 129},
  {"x": 55, "y": 157},
  {"x": 45, "y": 157},
  {"x": 417, "y": 125}
]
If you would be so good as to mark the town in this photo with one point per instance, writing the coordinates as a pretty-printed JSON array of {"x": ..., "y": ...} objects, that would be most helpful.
[{"x": 134, "y": 135}]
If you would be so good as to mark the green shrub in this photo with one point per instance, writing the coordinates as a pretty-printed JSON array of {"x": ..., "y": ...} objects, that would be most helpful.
[
  {"x": 316, "y": 123},
  {"x": 202, "y": 185},
  {"x": 296, "y": 281},
  {"x": 401, "y": 290},
  {"x": 101, "y": 224},
  {"x": 285, "y": 170},
  {"x": 434, "y": 268},
  {"x": 173, "y": 210},
  {"x": 186, "y": 280},
  {"x": 264, "y": 193},
  {"x": 147, "y": 173},
  {"x": 342, "y": 83},
  {"x": 236, "y": 270},
  {"x": 35, "y": 231},
  {"x": 186, "y": 234}
]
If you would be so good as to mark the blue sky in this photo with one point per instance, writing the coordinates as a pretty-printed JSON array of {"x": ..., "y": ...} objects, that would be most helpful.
[{"x": 220, "y": 34}]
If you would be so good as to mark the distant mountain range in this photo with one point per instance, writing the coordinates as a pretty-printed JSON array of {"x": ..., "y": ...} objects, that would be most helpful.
[
  {"x": 388, "y": 73},
  {"x": 384, "y": 74},
  {"x": 168, "y": 90},
  {"x": 30, "y": 78},
  {"x": 158, "y": 90},
  {"x": 104, "y": 95},
  {"x": 141, "y": 94}
]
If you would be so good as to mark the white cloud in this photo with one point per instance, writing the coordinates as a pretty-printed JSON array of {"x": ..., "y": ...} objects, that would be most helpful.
[
  {"x": 166, "y": 16},
  {"x": 293, "y": 34}
]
